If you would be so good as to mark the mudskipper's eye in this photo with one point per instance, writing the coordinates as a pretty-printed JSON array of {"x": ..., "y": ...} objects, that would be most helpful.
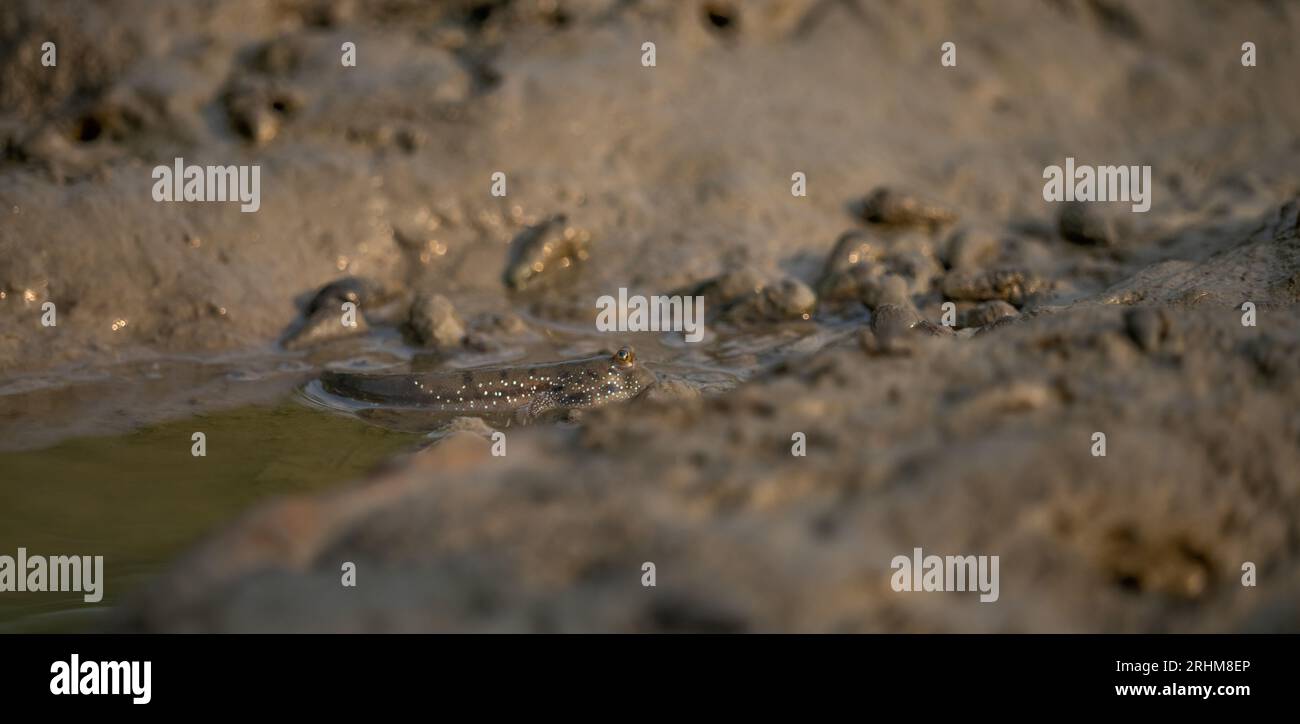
[{"x": 625, "y": 357}]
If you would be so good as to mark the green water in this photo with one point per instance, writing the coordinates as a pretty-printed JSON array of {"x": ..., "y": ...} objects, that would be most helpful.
[{"x": 141, "y": 499}]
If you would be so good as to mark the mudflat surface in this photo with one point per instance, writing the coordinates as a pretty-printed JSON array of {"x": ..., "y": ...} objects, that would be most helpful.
[{"x": 976, "y": 442}]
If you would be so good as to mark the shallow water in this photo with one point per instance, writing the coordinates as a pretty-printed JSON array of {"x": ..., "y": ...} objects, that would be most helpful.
[{"x": 141, "y": 498}]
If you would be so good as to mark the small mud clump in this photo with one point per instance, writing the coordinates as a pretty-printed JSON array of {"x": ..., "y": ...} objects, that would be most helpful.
[
  {"x": 433, "y": 322},
  {"x": 543, "y": 251},
  {"x": 896, "y": 207},
  {"x": 986, "y": 313},
  {"x": 1008, "y": 285}
]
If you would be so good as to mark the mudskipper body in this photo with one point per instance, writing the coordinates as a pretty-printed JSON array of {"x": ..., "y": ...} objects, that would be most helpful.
[{"x": 524, "y": 391}]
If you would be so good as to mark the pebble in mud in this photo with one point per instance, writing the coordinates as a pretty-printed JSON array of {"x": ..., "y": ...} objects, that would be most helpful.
[
  {"x": 746, "y": 294},
  {"x": 986, "y": 313},
  {"x": 323, "y": 318},
  {"x": 892, "y": 319},
  {"x": 730, "y": 287},
  {"x": 321, "y": 327},
  {"x": 860, "y": 258},
  {"x": 885, "y": 289},
  {"x": 1009, "y": 285},
  {"x": 433, "y": 322},
  {"x": 889, "y": 322},
  {"x": 895, "y": 207},
  {"x": 1084, "y": 223},
  {"x": 358, "y": 290},
  {"x": 785, "y": 299},
  {"x": 538, "y": 251},
  {"x": 934, "y": 329},
  {"x": 849, "y": 285},
  {"x": 896, "y": 328},
  {"x": 971, "y": 248},
  {"x": 852, "y": 248},
  {"x": 914, "y": 260}
]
